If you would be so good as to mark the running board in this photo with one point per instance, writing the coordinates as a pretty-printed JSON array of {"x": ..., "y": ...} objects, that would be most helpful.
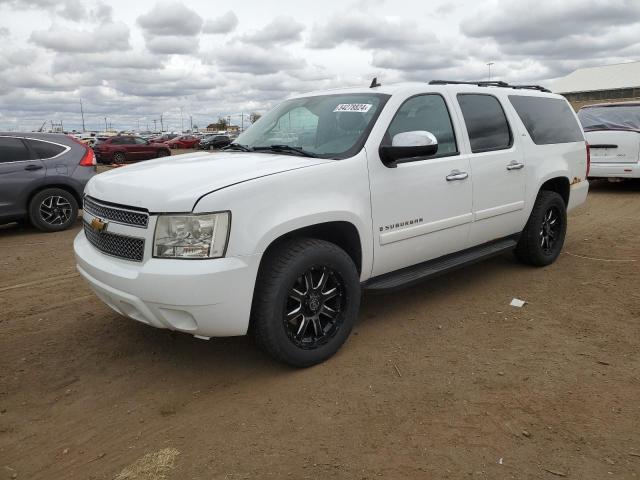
[{"x": 438, "y": 266}]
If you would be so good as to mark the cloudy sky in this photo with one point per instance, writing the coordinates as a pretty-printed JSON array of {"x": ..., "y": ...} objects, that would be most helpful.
[{"x": 132, "y": 61}]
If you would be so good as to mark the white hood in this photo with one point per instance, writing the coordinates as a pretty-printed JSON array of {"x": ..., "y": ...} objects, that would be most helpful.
[{"x": 174, "y": 184}]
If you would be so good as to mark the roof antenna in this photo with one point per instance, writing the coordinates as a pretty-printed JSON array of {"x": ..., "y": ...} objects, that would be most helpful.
[{"x": 374, "y": 83}]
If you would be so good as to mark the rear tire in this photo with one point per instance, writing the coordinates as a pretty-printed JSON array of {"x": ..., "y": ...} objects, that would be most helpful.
[
  {"x": 53, "y": 210},
  {"x": 306, "y": 301},
  {"x": 119, "y": 158},
  {"x": 543, "y": 236}
]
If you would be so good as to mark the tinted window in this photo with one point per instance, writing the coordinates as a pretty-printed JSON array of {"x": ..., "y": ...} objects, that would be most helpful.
[
  {"x": 117, "y": 141},
  {"x": 548, "y": 120},
  {"x": 140, "y": 141},
  {"x": 12, "y": 150},
  {"x": 425, "y": 112},
  {"x": 610, "y": 117},
  {"x": 45, "y": 149},
  {"x": 486, "y": 122}
]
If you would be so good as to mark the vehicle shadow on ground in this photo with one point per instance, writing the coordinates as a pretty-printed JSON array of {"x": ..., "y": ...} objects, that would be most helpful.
[
  {"x": 630, "y": 186},
  {"x": 116, "y": 337},
  {"x": 25, "y": 230}
]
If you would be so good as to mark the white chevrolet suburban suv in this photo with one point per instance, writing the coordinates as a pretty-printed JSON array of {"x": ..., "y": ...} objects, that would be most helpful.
[{"x": 327, "y": 194}]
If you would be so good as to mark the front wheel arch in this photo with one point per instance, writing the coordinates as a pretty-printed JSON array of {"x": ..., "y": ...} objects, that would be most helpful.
[{"x": 341, "y": 233}]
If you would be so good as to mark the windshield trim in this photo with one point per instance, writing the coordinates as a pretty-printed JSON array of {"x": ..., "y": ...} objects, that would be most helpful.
[{"x": 364, "y": 136}]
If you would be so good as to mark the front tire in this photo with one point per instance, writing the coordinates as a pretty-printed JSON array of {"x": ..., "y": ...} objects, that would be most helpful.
[
  {"x": 53, "y": 210},
  {"x": 543, "y": 236},
  {"x": 306, "y": 301}
]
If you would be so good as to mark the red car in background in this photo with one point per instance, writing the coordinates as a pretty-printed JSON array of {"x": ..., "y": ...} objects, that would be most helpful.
[
  {"x": 124, "y": 148},
  {"x": 183, "y": 141}
]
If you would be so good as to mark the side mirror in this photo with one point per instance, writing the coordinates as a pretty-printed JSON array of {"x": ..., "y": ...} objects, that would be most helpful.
[{"x": 406, "y": 145}]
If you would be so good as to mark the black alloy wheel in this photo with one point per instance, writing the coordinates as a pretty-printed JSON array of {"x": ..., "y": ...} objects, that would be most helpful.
[
  {"x": 314, "y": 307},
  {"x": 550, "y": 231},
  {"x": 543, "y": 236},
  {"x": 306, "y": 301}
]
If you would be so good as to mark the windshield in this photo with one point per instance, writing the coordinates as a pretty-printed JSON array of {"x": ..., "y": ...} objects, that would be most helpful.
[
  {"x": 610, "y": 118},
  {"x": 327, "y": 126}
]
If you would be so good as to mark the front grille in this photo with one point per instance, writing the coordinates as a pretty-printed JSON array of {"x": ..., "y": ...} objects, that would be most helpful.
[
  {"x": 121, "y": 246},
  {"x": 116, "y": 214}
]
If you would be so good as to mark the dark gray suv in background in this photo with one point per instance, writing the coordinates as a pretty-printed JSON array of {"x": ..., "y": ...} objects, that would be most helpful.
[{"x": 42, "y": 177}]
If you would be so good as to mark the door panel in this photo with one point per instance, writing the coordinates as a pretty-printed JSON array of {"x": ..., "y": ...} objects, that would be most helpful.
[
  {"x": 19, "y": 175},
  {"x": 498, "y": 167},
  {"x": 419, "y": 214}
]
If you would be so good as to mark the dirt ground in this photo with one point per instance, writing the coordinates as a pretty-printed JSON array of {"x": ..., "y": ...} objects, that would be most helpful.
[{"x": 443, "y": 380}]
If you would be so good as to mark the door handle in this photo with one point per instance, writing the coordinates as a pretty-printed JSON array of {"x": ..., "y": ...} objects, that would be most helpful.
[
  {"x": 33, "y": 167},
  {"x": 456, "y": 175},
  {"x": 515, "y": 165}
]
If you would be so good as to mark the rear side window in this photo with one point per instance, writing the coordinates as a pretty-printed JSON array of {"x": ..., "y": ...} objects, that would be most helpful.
[
  {"x": 13, "y": 150},
  {"x": 548, "y": 120},
  {"x": 45, "y": 150},
  {"x": 425, "y": 112},
  {"x": 486, "y": 122}
]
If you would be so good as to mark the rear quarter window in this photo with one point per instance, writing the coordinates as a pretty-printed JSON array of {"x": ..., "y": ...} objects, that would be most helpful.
[
  {"x": 548, "y": 120},
  {"x": 44, "y": 150}
]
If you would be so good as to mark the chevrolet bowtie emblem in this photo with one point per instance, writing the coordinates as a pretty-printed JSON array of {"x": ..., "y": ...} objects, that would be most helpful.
[{"x": 98, "y": 225}]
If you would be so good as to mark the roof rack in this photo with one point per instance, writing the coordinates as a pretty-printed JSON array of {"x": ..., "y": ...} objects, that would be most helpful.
[{"x": 492, "y": 83}]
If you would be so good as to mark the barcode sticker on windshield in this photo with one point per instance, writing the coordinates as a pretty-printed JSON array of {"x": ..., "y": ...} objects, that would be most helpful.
[{"x": 353, "y": 107}]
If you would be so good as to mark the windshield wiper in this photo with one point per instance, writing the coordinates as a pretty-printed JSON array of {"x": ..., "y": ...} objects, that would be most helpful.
[
  {"x": 286, "y": 148},
  {"x": 238, "y": 146}
]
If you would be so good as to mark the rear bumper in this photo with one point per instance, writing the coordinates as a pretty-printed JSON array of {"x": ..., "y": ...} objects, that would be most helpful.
[
  {"x": 614, "y": 170},
  {"x": 210, "y": 298},
  {"x": 578, "y": 194}
]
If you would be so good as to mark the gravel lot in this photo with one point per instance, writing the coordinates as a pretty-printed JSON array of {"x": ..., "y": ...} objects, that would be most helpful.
[{"x": 442, "y": 380}]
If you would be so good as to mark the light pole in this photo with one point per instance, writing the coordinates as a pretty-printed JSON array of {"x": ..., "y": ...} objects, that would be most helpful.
[
  {"x": 489, "y": 65},
  {"x": 82, "y": 114}
]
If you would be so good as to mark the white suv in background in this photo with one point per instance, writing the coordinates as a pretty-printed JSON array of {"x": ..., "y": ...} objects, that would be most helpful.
[
  {"x": 613, "y": 133},
  {"x": 328, "y": 194}
]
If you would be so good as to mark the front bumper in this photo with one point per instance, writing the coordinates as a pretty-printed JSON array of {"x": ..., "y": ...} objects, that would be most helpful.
[{"x": 208, "y": 298}]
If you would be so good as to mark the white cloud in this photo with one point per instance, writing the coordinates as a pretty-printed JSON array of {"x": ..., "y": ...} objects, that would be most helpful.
[
  {"x": 171, "y": 18},
  {"x": 131, "y": 61},
  {"x": 280, "y": 30},
  {"x": 225, "y": 23},
  {"x": 112, "y": 36}
]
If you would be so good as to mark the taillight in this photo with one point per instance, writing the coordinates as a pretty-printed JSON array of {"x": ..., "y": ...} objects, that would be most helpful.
[
  {"x": 88, "y": 159},
  {"x": 588, "y": 159}
]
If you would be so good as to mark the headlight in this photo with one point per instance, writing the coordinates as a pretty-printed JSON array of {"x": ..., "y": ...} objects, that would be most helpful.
[{"x": 191, "y": 236}]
